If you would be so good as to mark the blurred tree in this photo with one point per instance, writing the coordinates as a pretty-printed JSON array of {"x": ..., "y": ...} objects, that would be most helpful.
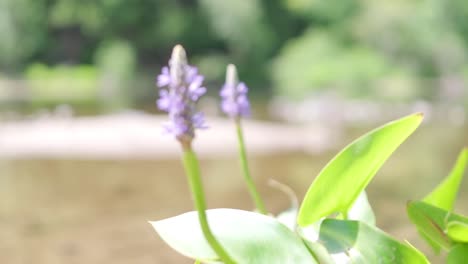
[
  {"x": 23, "y": 31},
  {"x": 390, "y": 49},
  {"x": 116, "y": 63},
  {"x": 318, "y": 61}
]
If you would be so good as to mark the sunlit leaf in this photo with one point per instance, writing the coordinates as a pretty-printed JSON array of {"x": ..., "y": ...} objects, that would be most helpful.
[
  {"x": 357, "y": 242},
  {"x": 458, "y": 254},
  {"x": 248, "y": 237},
  {"x": 458, "y": 231},
  {"x": 445, "y": 193},
  {"x": 341, "y": 181}
]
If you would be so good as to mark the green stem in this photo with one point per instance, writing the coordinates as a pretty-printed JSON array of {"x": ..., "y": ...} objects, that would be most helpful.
[
  {"x": 245, "y": 167},
  {"x": 192, "y": 170}
]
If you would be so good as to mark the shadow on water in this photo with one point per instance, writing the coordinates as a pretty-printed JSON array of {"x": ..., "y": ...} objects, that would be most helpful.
[{"x": 77, "y": 211}]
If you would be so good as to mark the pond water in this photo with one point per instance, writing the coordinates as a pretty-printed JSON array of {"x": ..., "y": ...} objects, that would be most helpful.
[{"x": 96, "y": 211}]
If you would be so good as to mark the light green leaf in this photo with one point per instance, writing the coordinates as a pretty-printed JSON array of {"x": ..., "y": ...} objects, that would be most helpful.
[
  {"x": 341, "y": 181},
  {"x": 445, "y": 193},
  {"x": 361, "y": 210},
  {"x": 357, "y": 242},
  {"x": 248, "y": 237},
  {"x": 458, "y": 254},
  {"x": 458, "y": 231}
]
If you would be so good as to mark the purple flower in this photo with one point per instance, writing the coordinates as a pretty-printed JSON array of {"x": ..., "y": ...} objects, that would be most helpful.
[
  {"x": 234, "y": 95},
  {"x": 180, "y": 88}
]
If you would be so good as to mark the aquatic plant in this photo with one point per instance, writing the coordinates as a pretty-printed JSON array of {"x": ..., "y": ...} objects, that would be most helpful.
[{"x": 333, "y": 224}]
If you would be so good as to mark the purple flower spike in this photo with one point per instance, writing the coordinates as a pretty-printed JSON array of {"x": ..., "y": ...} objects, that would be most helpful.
[
  {"x": 234, "y": 95},
  {"x": 180, "y": 88}
]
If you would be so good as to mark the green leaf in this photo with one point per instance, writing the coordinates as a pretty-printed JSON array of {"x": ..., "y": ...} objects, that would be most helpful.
[
  {"x": 341, "y": 181},
  {"x": 458, "y": 254},
  {"x": 357, "y": 242},
  {"x": 430, "y": 222},
  {"x": 440, "y": 227},
  {"x": 458, "y": 231},
  {"x": 445, "y": 193},
  {"x": 361, "y": 210},
  {"x": 248, "y": 237}
]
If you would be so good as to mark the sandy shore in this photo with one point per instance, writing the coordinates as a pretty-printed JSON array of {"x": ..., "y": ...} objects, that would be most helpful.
[{"x": 140, "y": 135}]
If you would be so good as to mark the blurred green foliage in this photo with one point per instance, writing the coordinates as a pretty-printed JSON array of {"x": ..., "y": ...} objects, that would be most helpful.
[
  {"x": 116, "y": 62},
  {"x": 391, "y": 49},
  {"x": 62, "y": 83}
]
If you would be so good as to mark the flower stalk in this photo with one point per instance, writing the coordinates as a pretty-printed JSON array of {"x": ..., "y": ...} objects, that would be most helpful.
[
  {"x": 180, "y": 89},
  {"x": 245, "y": 169},
  {"x": 236, "y": 105},
  {"x": 192, "y": 171}
]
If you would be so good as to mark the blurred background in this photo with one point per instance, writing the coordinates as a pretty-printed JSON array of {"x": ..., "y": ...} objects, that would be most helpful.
[{"x": 83, "y": 162}]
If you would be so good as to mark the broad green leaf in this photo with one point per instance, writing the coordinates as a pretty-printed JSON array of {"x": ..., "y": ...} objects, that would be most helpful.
[
  {"x": 445, "y": 193},
  {"x": 458, "y": 254},
  {"x": 458, "y": 231},
  {"x": 361, "y": 210},
  {"x": 341, "y": 181},
  {"x": 248, "y": 237},
  {"x": 357, "y": 242},
  {"x": 439, "y": 226}
]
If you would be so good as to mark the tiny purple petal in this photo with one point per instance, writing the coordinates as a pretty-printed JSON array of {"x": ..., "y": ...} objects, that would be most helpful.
[
  {"x": 198, "y": 120},
  {"x": 225, "y": 91},
  {"x": 191, "y": 74},
  {"x": 196, "y": 82},
  {"x": 234, "y": 100},
  {"x": 197, "y": 93},
  {"x": 164, "y": 78},
  {"x": 242, "y": 88}
]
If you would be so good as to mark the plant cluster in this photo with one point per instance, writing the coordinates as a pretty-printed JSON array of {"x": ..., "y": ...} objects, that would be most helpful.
[{"x": 333, "y": 224}]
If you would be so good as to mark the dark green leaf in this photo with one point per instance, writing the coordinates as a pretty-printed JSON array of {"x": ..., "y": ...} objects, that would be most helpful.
[{"x": 356, "y": 242}]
